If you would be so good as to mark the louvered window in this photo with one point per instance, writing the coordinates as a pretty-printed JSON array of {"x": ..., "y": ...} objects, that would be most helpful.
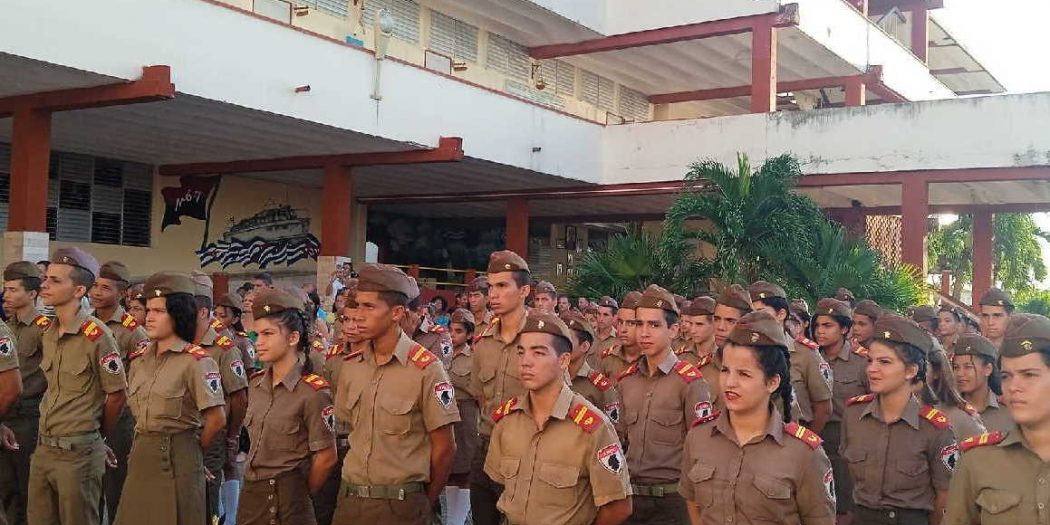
[
  {"x": 633, "y": 104},
  {"x": 597, "y": 90},
  {"x": 508, "y": 57},
  {"x": 405, "y": 14},
  {"x": 333, "y": 7},
  {"x": 559, "y": 76},
  {"x": 452, "y": 37}
]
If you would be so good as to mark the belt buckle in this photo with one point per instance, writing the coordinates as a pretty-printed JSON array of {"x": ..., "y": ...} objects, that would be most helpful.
[
  {"x": 892, "y": 514},
  {"x": 658, "y": 491},
  {"x": 401, "y": 494}
]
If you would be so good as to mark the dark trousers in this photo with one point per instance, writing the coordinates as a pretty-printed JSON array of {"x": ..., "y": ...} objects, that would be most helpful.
[
  {"x": 215, "y": 462},
  {"x": 866, "y": 516},
  {"x": 325, "y": 499},
  {"x": 484, "y": 493},
  {"x": 832, "y": 436},
  {"x": 120, "y": 442},
  {"x": 651, "y": 510},
  {"x": 14, "y": 467},
  {"x": 284, "y": 500}
]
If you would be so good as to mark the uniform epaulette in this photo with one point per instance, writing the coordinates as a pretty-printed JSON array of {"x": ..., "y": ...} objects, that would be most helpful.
[
  {"x": 861, "y": 351},
  {"x": 315, "y": 381},
  {"x": 257, "y": 373},
  {"x": 224, "y": 342},
  {"x": 353, "y": 354},
  {"x": 807, "y": 342},
  {"x": 42, "y": 321},
  {"x": 217, "y": 325},
  {"x": 710, "y": 417},
  {"x": 605, "y": 353},
  {"x": 136, "y": 354},
  {"x": 630, "y": 370},
  {"x": 969, "y": 409},
  {"x": 333, "y": 351},
  {"x": 91, "y": 330},
  {"x": 129, "y": 322},
  {"x": 991, "y": 438},
  {"x": 504, "y": 409},
  {"x": 421, "y": 357},
  {"x": 317, "y": 346},
  {"x": 438, "y": 329},
  {"x": 803, "y": 434},
  {"x": 704, "y": 361},
  {"x": 936, "y": 417},
  {"x": 687, "y": 371},
  {"x": 585, "y": 418},
  {"x": 197, "y": 352},
  {"x": 863, "y": 398},
  {"x": 599, "y": 380}
]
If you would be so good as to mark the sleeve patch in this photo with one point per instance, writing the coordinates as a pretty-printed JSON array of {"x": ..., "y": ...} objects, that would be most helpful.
[
  {"x": 318, "y": 346},
  {"x": 237, "y": 367},
  {"x": 315, "y": 381},
  {"x": 710, "y": 417},
  {"x": 826, "y": 373},
  {"x": 446, "y": 350},
  {"x": 829, "y": 485},
  {"x": 111, "y": 363},
  {"x": 611, "y": 457},
  {"x": 444, "y": 393},
  {"x": 5, "y": 346},
  {"x": 950, "y": 456},
  {"x": 328, "y": 416},
  {"x": 213, "y": 382},
  {"x": 613, "y": 411},
  {"x": 702, "y": 409}
]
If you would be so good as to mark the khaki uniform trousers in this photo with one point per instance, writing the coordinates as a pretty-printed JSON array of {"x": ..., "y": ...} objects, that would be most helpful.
[
  {"x": 283, "y": 500},
  {"x": 65, "y": 480}
]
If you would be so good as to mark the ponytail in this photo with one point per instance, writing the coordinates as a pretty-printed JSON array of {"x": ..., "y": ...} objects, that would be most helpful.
[
  {"x": 294, "y": 320},
  {"x": 787, "y": 393}
]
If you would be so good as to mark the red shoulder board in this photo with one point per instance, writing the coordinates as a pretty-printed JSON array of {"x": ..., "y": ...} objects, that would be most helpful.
[
  {"x": 992, "y": 438},
  {"x": 257, "y": 373},
  {"x": 333, "y": 351},
  {"x": 599, "y": 380},
  {"x": 224, "y": 342},
  {"x": 217, "y": 325},
  {"x": 630, "y": 370},
  {"x": 504, "y": 409},
  {"x": 438, "y": 329},
  {"x": 129, "y": 322},
  {"x": 42, "y": 321},
  {"x": 421, "y": 357},
  {"x": 807, "y": 342},
  {"x": 866, "y": 398},
  {"x": 969, "y": 409},
  {"x": 197, "y": 352},
  {"x": 586, "y": 418},
  {"x": 91, "y": 330},
  {"x": 137, "y": 354},
  {"x": 861, "y": 351},
  {"x": 710, "y": 417},
  {"x": 938, "y": 418},
  {"x": 688, "y": 372},
  {"x": 704, "y": 361},
  {"x": 315, "y": 381},
  {"x": 803, "y": 434},
  {"x": 605, "y": 353}
]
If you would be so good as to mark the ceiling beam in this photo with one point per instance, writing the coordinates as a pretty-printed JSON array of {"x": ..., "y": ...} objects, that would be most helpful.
[
  {"x": 786, "y": 17},
  {"x": 630, "y": 189},
  {"x": 930, "y": 176},
  {"x": 957, "y": 209},
  {"x": 881, "y": 7},
  {"x": 155, "y": 84},
  {"x": 869, "y": 78}
]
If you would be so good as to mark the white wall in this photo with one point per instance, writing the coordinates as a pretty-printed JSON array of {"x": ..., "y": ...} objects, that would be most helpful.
[
  {"x": 588, "y": 13},
  {"x": 624, "y": 16},
  {"x": 996, "y": 131}
]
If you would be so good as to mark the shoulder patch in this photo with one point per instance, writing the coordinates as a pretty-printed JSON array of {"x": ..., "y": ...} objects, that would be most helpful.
[
  {"x": 42, "y": 321},
  {"x": 991, "y": 438},
  {"x": 861, "y": 351},
  {"x": 970, "y": 409},
  {"x": 599, "y": 380},
  {"x": 257, "y": 373},
  {"x": 936, "y": 417},
  {"x": 315, "y": 381},
  {"x": 421, "y": 357},
  {"x": 333, "y": 351},
  {"x": 129, "y": 322},
  {"x": 803, "y": 434},
  {"x": 91, "y": 330},
  {"x": 224, "y": 342},
  {"x": 687, "y": 371},
  {"x": 504, "y": 409},
  {"x": 706, "y": 419},
  {"x": 137, "y": 353},
  {"x": 865, "y": 398},
  {"x": 585, "y": 418},
  {"x": 217, "y": 325},
  {"x": 197, "y": 352},
  {"x": 807, "y": 342},
  {"x": 629, "y": 371}
]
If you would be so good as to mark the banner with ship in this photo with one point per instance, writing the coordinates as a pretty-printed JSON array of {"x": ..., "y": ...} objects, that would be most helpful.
[{"x": 277, "y": 235}]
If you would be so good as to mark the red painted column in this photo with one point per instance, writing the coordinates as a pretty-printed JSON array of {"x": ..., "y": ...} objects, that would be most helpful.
[
  {"x": 983, "y": 236},
  {"x": 920, "y": 32},
  {"x": 763, "y": 68},
  {"x": 30, "y": 157},
  {"x": 915, "y": 209},
  {"x": 220, "y": 282},
  {"x": 335, "y": 210},
  {"x": 518, "y": 226},
  {"x": 855, "y": 93}
]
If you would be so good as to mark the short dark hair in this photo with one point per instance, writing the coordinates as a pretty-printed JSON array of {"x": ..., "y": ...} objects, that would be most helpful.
[
  {"x": 82, "y": 277},
  {"x": 468, "y": 326},
  {"x": 45, "y": 263},
  {"x": 182, "y": 308},
  {"x": 670, "y": 317},
  {"x": 31, "y": 284},
  {"x": 613, "y": 308},
  {"x": 583, "y": 336},
  {"x": 561, "y": 345},
  {"x": 841, "y": 320},
  {"x": 203, "y": 301},
  {"x": 264, "y": 277},
  {"x": 392, "y": 299},
  {"x": 521, "y": 277},
  {"x": 776, "y": 303}
]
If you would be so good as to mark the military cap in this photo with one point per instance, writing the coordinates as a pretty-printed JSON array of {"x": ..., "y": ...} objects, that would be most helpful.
[
  {"x": 657, "y": 297},
  {"x": 869, "y": 308},
  {"x": 735, "y": 296},
  {"x": 462, "y": 315},
  {"x": 21, "y": 270},
  {"x": 973, "y": 344},
  {"x": 1025, "y": 333},
  {"x": 590, "y": 309},
  {"x": 996, "y": 297},
  {"x": 273, "y": 301},
  {"x": 760, "y": 290},
  {"x": 136, "y": 291},
  {"x": 479, "y": 284},
  {"x": 162, "y": 284},
  {"x": 957, "y": 312},
  {"x": 545, "y": 287},
  {"x": 115, "y": 271},
  {"x": 759, "y": 328},
  {"x": 375, "y": 277},
  {"x": 577, "y": 322},
  {"x": 506, "y": 261},
  {"x": 203, "y": 283},
  {"x": 230, "y": 300},
  {"x": 545, "y": 323},
  {"x": 608, "y": 302},
  {"x": 679, "y": 300},
  {"x": 832, "y": 306},
  {"x": 844, "y": 295},
  {"x": 799, "y": 305},
  {"x": 74, "y": 256},
  {"x": 703, "y": 305},
  {"x": 630, "y": 300},
  {"x": 923, "y": 313},
  {"x": 892, "y": 327}
]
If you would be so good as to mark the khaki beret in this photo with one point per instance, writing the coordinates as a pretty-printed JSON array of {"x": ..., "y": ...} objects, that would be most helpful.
[
  {"x": 735, "y": 296},
  {"x": 162, "y": 284},
  {"x": 136, "y": 291},
  {"x": 274, "y": 300},
  {"x": 115, "y": 271},
  {"x": 659, "y": 298},
  {"x": 203, "y": 283},
  {"x": 832, "y": 306},
  {"x": 577, "y": 322},
  {"x": 230, "y": 300},
  {"x": 21, "y": 270},
  {"x": 545, "y": 323},
  {"x": 973, "y": 344},
  {"x": 608, "y": 302},
  {"x": 892, "y": 327},
  {"x": 630, "y": 300},
  {"x": 869, "y": 308},
  {"x": 923, "y": 313},
  {"x": 759, "y": 329},
  {"x": 1025, "y": 333},
  {"x": 462, "y": 315},
  {"x": 374, "y": 277},
  {"x": 74, "y": 256},
  {"x": 760, "y": 290},
  {"x": 843, "y": 294},
  {"x": 479, "y": 284},
  {"x": 799, "y": 306},
  {"x": 506, "y": 261},
  {"x": 591, "y": 308},
  {"x": 545, "y": 287},
  {"x": 703, "y": 305},
  {"x": 996, "y": 297}
]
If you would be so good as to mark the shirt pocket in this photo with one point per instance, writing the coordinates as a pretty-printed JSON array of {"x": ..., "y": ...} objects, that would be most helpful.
[
  {"x": 169, "y": 402},
  {"x": 285, "y": 435},
  {"x": 911, "y": 476},
  {"x": 855, "y": 460},
  {"x": 702, "y": 475},
  {"x": 74, "y": 373},
  {"x": 667, "y": 427},
  {"x": 395, "y": 415},
  {"x": 773, "y": 501},
  {"x": 998, "y": 506},
  {"x": 558, "y": 487},
  {"x": 508, "y": 470}
]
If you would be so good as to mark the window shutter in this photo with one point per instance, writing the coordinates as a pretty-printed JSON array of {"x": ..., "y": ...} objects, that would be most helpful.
[
  {"x": 606, "y": 88},
  {"x": 404, "y": 12},
  {"x": 588, "y": 87},
  {"x": 633, "y": 104},
  {"x": 508, "y": 57},
  {"x": 566, "y": 78},
  {"x": 337, "y": 8},
  {"x": 453, "y": 37}
]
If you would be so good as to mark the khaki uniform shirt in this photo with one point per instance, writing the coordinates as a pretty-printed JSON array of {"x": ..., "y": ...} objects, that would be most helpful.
[
  {"x": 241, "y": 339},
  {"x": 850, "y": 379},
  {"x": 601, "y": 345},
  {"x": 709, "y": 367},
  {"x": 597, "y": 390},
  {"x": 335, "y": 361},
  {"x": 964, "y": 424},
  {"x": 1000, "y": 481},
  {"x": 612, "y": 362},
  {"x": 459, "y": 371},
  {"x": 657, "y": 412},
  {"x": 996, "y": 418},
  {"x": 28, "y": 332},
  {"x": 811, "y": 379},
  {"x": 494, "y": 375},
  {"x": 437, "y": 341},
  {"x": 391, "y": 409},
  {"x": 287, "y": 422},
  {"x": 782, "y": 476},
  {"x": 483, "y": 322},
  {"x": 8, "y": 352},
  {"x": 561, "y": 473},
  {"x": 224, "y": 351},
  {"x": 82, "y": 365},
  {"x": 900, "y": 464},
  {"x": 127, "y": 332},
  {"x": 168, "y": 391}
]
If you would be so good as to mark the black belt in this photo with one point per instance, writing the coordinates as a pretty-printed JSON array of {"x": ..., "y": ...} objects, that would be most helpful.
[
  {"x": 891, "y": 515},
  {"x": 655, "y": 491}
]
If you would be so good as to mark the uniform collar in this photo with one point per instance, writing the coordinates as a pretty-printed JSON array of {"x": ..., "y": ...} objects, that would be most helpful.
[
  {"x": 118, "y": 315},
  {"x": 179, "y": 346},
  {"x": 993, "y": 401},
  {"x": 775, "y": 428},
  {"x": 28, "y": 319},
  {"x": 78, "y": 321},
  {"x": 401, "y": 349},
  {"x": 611, "y": 335},
  {"x": 910, "y": 414},
  {"x": 844, "y": 354},
  {"x": 290, "y": 380},
  {"x": 210, "y": 335},
  {"x": 665, "y": 366},
  {"x": 498, "y": 333},
  {"x": 561, "y": 404},
  {"x": 585, "y": 370},
  {"x": 1013, "y": 437},
  {"x": 463, "y": 349}
]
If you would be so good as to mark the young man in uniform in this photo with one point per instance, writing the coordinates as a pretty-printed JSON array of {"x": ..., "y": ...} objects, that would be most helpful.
[
  {"x": 553, "y": 436},
  {"x": 545, "y": 297},
  {"x": 975, "y": 362},
  {"x": 27, "y": 324},
  {"x": 85, "y": 394},
  {"x": 494, "y": 374},
  {"x": 662, "y": 396},
  {"x": 926, "y": 317},
  {"x": 732, "y": 304},
  {"x": 605, "y": 337},
  {"x": 431, "y": 335},
  {"x": 478, "y": 299},
  {"x": 996, "y": 307},
  {"x": 700, "y": 352},
  {"x": 584, "y": 380},
  {"x": 864, "y": 316},
  {"x": 625, "y": 352},
  {"x": 400, "y": 406}
]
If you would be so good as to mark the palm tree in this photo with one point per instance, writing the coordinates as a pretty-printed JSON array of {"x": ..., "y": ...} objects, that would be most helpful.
[
  {"x": 1018, "y": 258},
  {"x": 633, "y": 261}
]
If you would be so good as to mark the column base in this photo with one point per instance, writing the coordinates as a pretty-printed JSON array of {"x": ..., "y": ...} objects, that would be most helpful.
[{"x": 26, "y": 246}]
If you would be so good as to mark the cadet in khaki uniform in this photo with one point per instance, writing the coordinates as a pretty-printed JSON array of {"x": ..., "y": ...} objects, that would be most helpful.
[
  {"x": 544, "y": 297},
  {"x": 900, "y": 451},
  {"x": 290, "y": 419},
  {"x": 1002, "y": 477},
  {"x": 175, "y": 394},
  {"x": 85, "y": 393},
  {"x": 228, "y": 312},
  {"x": 966, "y": 422},
  {"x": 10, "y": 390},
  {"x": 733, "y": 303},
  {"x": 614, "y": 360},
  {"x": 494, "y": 375},
  {"x": 21, "y": 287},
  {"x": 605, "y": 336},
  {"x": 662, "y": 396},
  {"x": 555, "y": 452},
  {"x": 478, "y": 300},
  {"x": 431, "y": 336},
  {"x": 457, "y": 494},
  {"x": 749, "y": 463},
  {"x": 700, "y": 352},
  {"x": 113, "y": 280},
  {"x": 400, "y": 406},
  {"x": 926, "y": 317},
  {"x": 585, "y": 381},
  {"x": 975, "y": 363},
  {"x": 996, "y": 307},
  {"x": 864, "y": 316}
]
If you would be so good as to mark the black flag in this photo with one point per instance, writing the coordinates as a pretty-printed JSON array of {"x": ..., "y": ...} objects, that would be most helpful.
[{"x": 191, "y": 198}]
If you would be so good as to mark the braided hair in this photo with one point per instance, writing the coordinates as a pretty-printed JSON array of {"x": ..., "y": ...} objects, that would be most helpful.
[
  {"x": 294, "y": 320},
  {"x": 775, "y": 361}
]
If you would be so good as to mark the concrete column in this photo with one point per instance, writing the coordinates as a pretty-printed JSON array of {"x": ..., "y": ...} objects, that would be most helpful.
[
  {"x": 763, "y": 68},
  {"x": 855, "y": 93},
  {"x": 920, "y": 32},
  {"x": 983, "y": 237},
  {"x": 30, "y": 159},
  {"x": 915, "y": 209},
  {"x": 26, "y": 246},
  {"x": 337, "y": 223},
  {"x": 518, "y": 227}
]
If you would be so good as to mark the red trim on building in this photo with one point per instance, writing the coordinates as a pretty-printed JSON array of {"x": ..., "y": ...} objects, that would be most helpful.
[
  {"x": 154, "y": 85},
  {"x": 567, "y": 192},
  {"x": 337, "y": 197},
  {"x": 872, "y": 76},
  {"x": 517, "y": 232},
  {"x": 30, "y": 160},
  {"x": 983, "y": 231}
]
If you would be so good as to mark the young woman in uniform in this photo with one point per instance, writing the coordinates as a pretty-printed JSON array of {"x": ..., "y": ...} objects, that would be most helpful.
[
  {"x": 749, "y": 464},
  {"x": 900, "y": 450},
  {"x": 966, "y": 422},
  {"x": 949, "y": 326},
  {"x": 137, "y": 307},
  {"x": 457, "y": 493},
  {"x": 290, "y": 419},
  {"x": 175, "y": 393}
]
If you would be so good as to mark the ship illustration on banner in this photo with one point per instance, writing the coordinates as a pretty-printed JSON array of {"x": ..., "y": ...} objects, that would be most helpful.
[{"x": 276, "y": 235}]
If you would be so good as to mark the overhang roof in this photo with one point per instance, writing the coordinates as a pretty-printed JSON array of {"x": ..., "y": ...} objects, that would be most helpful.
[{"x": 953, "y": 64}]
